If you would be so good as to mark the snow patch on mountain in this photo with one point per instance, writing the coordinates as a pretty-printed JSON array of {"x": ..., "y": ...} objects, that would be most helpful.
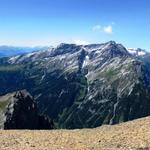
[
  {"x": 137, "y": 51},
  {"x": 86, "y": 61}
]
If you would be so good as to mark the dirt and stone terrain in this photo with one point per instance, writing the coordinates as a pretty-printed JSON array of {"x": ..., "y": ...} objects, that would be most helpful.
[{"x": 133, "y": 135}]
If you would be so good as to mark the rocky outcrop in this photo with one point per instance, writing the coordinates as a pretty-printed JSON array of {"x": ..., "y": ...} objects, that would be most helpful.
[{"x": 20, "y": 112}]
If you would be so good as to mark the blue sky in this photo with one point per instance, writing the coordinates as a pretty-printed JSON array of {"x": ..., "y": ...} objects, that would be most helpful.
[{"x": 50, "y": 22}]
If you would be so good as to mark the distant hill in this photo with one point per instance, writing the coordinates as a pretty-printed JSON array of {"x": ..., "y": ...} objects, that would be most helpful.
[{"x": 7, "y": 51}]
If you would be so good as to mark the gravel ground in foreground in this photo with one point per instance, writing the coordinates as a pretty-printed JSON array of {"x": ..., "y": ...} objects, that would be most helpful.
[{"x": 133, "y": 135}]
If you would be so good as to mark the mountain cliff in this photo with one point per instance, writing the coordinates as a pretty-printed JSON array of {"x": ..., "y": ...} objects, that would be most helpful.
[
  {"x": 81, "y": 86},
  {"x": 19, "y": 111}
]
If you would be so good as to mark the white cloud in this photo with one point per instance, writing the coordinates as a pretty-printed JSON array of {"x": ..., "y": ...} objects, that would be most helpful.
[
  {"x": 108, "y": 29},
  {"x": 97, "y": 28},
  {"x": 81, "y": 42}
]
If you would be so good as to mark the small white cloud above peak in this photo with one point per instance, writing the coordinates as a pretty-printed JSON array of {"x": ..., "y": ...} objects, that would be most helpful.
[
  {"x": 81, "y": 42},
  {"x": 104, "y": 29},
  {"x": 108, "y": 29}
]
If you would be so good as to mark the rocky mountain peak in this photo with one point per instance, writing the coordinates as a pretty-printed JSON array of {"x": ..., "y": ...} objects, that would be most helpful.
[
  {"x": 102, "y": 82},
  {"x": 115, "y": 49},
  {"x": 65, "y": 45},
  {"x": 109, "y": 49},
  {"x": 66, "y": 48},
  {"x": 111, "y": 42},
  {"x": 19, "y": 111}
]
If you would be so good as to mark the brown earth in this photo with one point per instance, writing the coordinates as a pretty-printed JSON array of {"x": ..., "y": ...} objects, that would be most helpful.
[{"x": 133, "y": 135}]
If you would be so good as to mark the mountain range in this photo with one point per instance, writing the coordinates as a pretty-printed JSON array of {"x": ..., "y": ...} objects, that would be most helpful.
[
  {"x": 82, "y": 86},
  {"x": 7, "y": 51}
]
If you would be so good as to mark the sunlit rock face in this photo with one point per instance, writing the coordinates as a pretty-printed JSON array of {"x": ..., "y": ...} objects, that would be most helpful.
[{"x": 81, "y": 86}]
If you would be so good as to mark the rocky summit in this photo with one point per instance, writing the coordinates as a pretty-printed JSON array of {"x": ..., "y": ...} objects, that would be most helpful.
[
  {"x": 19, "y": 111},
  {"x": 82, "y": 86}
]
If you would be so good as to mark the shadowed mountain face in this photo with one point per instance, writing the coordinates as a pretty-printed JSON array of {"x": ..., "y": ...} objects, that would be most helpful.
[
  {"x": 19, "y": 111},
  {"x": 81, "y": 86}
]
